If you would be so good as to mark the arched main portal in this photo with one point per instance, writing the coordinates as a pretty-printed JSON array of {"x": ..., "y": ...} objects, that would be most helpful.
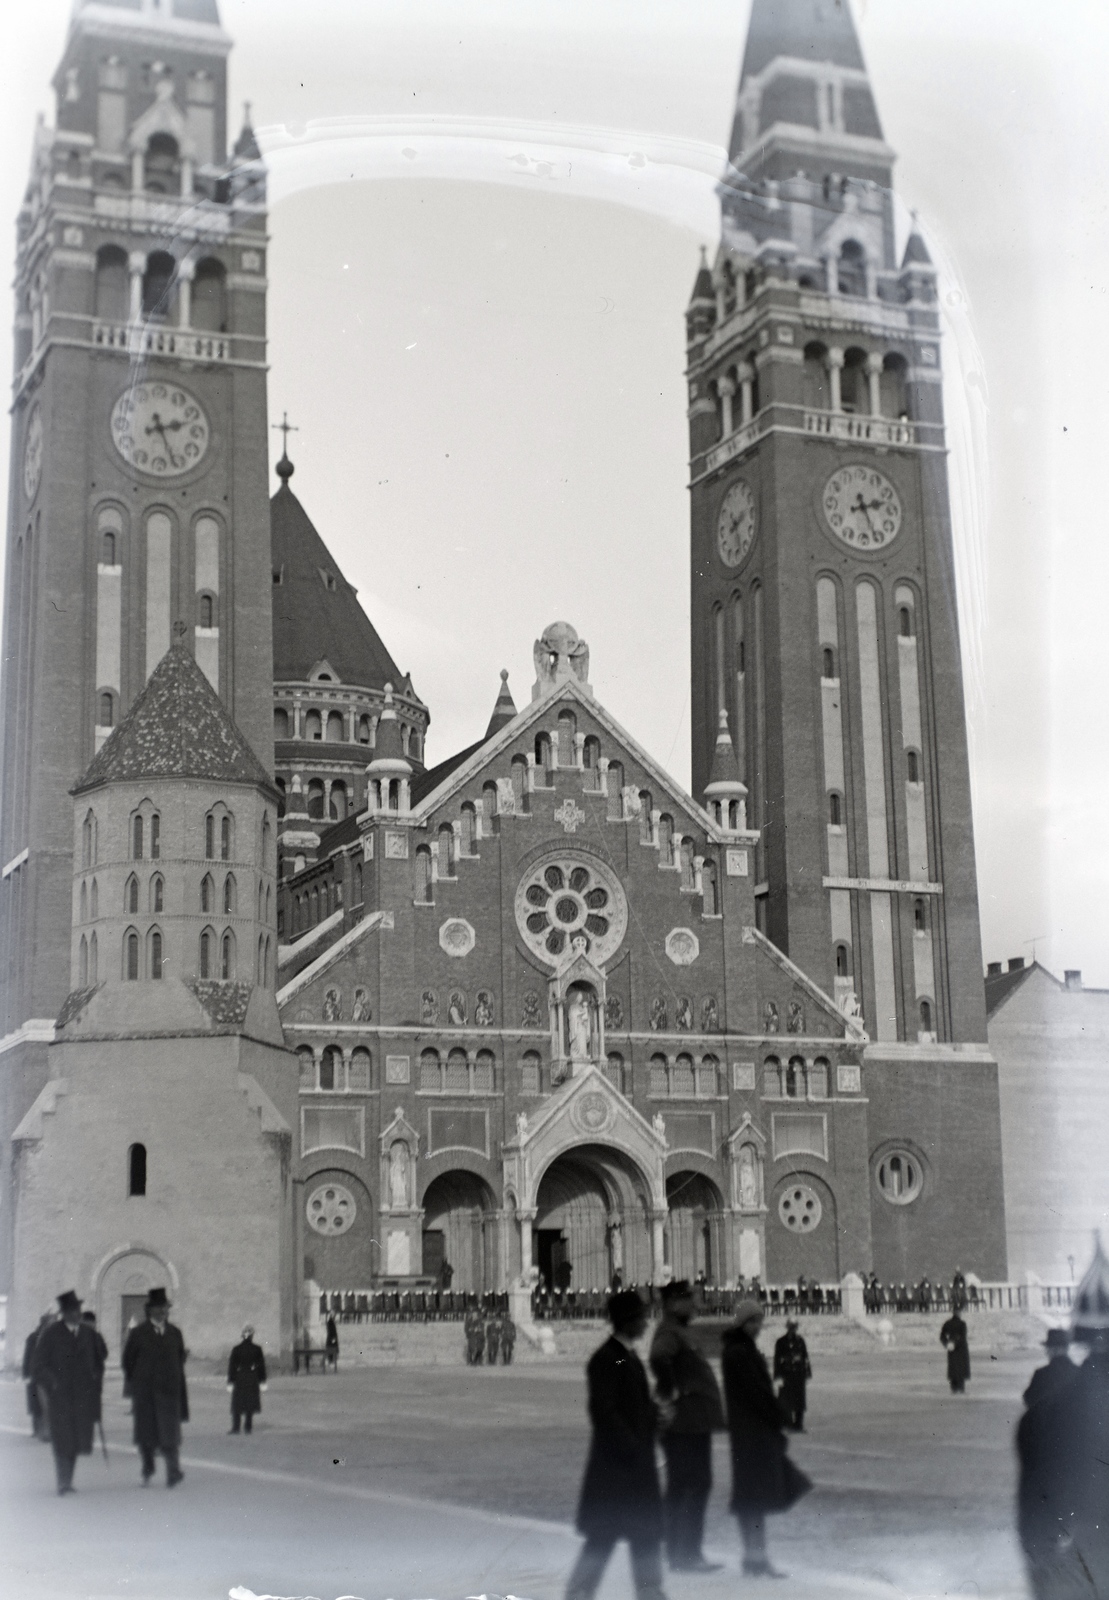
[
  {"x": 694, "y": 1227},
  {"x": 593, "y": 1216},
  {"x": 459, "y": 1227}
]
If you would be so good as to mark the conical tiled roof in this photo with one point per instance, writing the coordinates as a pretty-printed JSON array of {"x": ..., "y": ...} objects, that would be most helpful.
[
  {"x": 177, "y": 728},
  {"x": 724, "y": 777},
  {"x": 1090, "y": 1311},
  {"x": 703, "y": 286},
  {"x": 316, "y": 614},
  {"x": 916, "y": 251},
  {"x": 505, "y": 708}
]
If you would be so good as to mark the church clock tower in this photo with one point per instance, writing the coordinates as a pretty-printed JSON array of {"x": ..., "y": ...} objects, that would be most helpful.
[
  {"x": 139, "y": 511},
  {"x": 824, "y": 624}
]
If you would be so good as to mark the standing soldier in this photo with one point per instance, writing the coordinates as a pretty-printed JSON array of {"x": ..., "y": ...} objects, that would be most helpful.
[
  {"x": 474, "y": 1328},
  {"x": 67, "y": 1365},
  {"x": 508, "y": 1340},
  {"x": 791, "y": 1366},
  {"x": 154, "y": 1377},
  {"x": 958, "y": 1291},
  {"x": 953, "y": 1337},
  {"x": 619, "y": 1493},
  {"x": 40, "y": 1428},
  {"x": 492, "y": 1339},
  {"x": 1059, "y": 1371},
  {"x": 331, "y": 1345},
  {"x": 691, "y": 1412},
  {"x": 246, "y": 1378}
]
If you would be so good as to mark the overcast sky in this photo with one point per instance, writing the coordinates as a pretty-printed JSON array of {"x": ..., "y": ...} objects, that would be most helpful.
[{"x": 478, "y": 274}]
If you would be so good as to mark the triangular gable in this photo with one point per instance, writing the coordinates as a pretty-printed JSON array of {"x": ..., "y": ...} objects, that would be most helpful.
[
  {"x": 851, "y": 1026},
  {"x": 487, "y": 754},
  {"x": 375, "y": 922},
  {"x": 163, "y": 117},
  {"x": 746, "y": 1133}
]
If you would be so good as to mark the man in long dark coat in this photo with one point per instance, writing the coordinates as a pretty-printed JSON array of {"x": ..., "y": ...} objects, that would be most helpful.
[
  {"x": 154, "y": 1377},
  {"x": 508, "y": 1340},
  {"x": 953, "y": 1337},
  {"x": 620, "y": 1493},
  {"x": 492, "y": 1339},
  {"x": 474, "y": 1328},
  {"x": 246, "y": 1378},
  {"x": 1059, "y": 1371},
  {"x": 40, "y": 1428},
  {"x": 692, "y": 1411},
  {"x": 68, "y": 1367},
  {"x": 792, "y": 1369},
  {"x": 763, "y": 1477}
]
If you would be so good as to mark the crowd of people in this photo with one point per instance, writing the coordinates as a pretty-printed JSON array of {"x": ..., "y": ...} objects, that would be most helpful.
[{"x": 489, "y": 1339}]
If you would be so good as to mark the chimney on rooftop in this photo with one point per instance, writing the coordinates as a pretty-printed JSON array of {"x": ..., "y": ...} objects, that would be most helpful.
[
  {"x": 1073, "y": 978},
  {"x": 994, "y": 969},
  {"x": 1016, "y": 963}
]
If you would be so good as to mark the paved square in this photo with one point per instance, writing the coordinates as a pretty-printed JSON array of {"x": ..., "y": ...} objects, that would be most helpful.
[{"x": 404, "y": 1483}]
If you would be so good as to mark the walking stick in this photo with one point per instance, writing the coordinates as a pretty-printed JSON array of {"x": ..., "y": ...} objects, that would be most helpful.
[{"x": 103, "y": 1441}]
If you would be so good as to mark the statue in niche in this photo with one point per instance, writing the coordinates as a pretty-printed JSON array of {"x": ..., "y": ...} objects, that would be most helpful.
[
  {"x": 614, "y": 1011},
  {"x": 529, "y": 1013},
  {"x": 658, "y": 1014},
  {"x": 658, "y": 1123},
  {"x": 770, "y": 1018},
  {"x": 361, "y": 1010},
  {"x": 456, "y": 1009},
  {"x": 795, "y": 1021},
  {"x": 398, "y": 1175},
  {"x": 483, "y": 1009},
  {"x": 684, "y": 1018},
  {"x": 579, "y": 1026},
  {"x": 429, "y": 1007},
  {"x": 332, "y": 1006},
  {"x": 710, "y": 1016},
  {"x": 748, "y": 1177}
]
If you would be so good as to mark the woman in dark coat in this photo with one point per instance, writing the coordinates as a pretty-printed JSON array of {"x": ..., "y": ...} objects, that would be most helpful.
[
  {"x": 154, "y": 1377},
  {"x": 620, "y": 1496},
  {"x": 763, "y": 1477},
  {"x": 246, "y": 1378},
  {"x": 953, "y": 1337},
  {"x": 68, "y": 1368}
]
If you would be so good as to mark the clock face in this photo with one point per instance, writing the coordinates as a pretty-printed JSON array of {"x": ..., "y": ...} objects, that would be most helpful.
[
  {"x": 32, "y": 455},
  {"x": 735, "y": 526},
  {"x": 160, "y": 428},
  {"x": 862, "y": 507}
]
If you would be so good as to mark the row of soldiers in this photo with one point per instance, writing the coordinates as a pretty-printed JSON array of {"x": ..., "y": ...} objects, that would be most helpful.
[{"x": 489, "y": 1338}]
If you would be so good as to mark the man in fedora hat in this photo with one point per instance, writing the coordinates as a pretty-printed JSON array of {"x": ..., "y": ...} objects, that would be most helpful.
[
  {"x": 1059, "y": 1371},
  {"x": 692, "y": 1410},
  {"x": 68, "y": 1368},
  {"x": 154, "y": 1377}
]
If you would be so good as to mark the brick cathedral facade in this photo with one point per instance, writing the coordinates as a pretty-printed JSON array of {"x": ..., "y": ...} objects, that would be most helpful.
[{"x": 287, "y": 1010}]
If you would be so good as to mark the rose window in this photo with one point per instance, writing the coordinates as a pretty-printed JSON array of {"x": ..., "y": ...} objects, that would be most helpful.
[
  {"x": 567, "y": 899},
  {"x": 331, "y": 1209},
  {"x": 800, "y": 1208}
]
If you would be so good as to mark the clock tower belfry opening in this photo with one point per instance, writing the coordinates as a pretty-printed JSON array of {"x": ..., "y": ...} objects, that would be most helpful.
[{"x": 823, "y": 625}]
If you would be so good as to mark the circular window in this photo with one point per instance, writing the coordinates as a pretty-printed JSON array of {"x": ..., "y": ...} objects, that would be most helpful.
[
  {"x": 567, "y": 899},
  {"x": 900, "y": 1177},
  {"x": 800, "y": 1208},
  {"x": 331, "y": 1209}
]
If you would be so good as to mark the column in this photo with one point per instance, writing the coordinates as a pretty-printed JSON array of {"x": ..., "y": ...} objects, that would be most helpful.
[
  {"x": 579, "y": 751},
  {"x": 531, "y": 771},
  {"x": 136, "y": 262},
  {"x": 352, "y": 725},
  {"x": 405, "y": 802},
  {"x": 746, "y": 392},
  {"x": 660, "y": 1273},
  {"x": 186, "y": 176},
  {"x": 874, "y": 383},
  {"x": 185, "y": 294},
  {"x": 725, "y": 388},
  {"x": 526, "y": 1220},
  {"x": 137, "y": 171},
  {"x": 835, "y": 367}
]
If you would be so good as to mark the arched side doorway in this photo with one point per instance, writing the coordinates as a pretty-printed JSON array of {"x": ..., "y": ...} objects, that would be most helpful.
[
  {"x": 339, "y": 1250},
  {"x": 694, "y": 1227},
  {"x": 460, "y": 1227},
  {"x": 592, "y": 1219},
  {"x": 120, "y": 1293}
]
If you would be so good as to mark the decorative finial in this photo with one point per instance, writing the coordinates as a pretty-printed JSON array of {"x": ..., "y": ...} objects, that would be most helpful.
[
  {"x": 246, "y": 113},
  {"x": 180, "y": 629},
  {"x": 285, "y": 468},
  {"x": 504, "y": 674}
]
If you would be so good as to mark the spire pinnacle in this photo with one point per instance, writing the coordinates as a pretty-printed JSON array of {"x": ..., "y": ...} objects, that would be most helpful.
[
  {"x": 505, "y": 708},
  {"x": 285, "y": 468}
]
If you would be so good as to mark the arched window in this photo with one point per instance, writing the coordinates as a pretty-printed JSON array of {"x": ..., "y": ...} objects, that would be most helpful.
[
  {"x": 708, "y": 1078},
  {"x": 851, "y": 268},
  {"x": 227, "y": 956},
  {"x": 130, "y": 955},
  {"x": 261, "y": 961},
  {"x": 853, "y": 388},
  {"x": 331, "y": 1068},
  {"x": 646, "y": 806},
  {"x": 316, "y": 799},
  {"x": 912, "y": 766},
  {"x": 225, "y": 838},
  {"x": 108, "y": 548},
  {"x": 843, "y": 961},
  {"x": 530, "y": 1066},
  {"x": 363, "y": 730},
  {"x": 925, "y": 1016},
  {"x": 207, "y": 893},
  {"x": 828, "y": 664},
  {"x": 920, "y": 918},
  {"x": 614, "y": 1070},
  {"x": 136, "y": 839},
  {"x": 591, "y": 751},
  {"x": 892, "y": 386},
  {"x": 161, "y": 168},
  {"x": 659, "y": 1079},
  {"x": 92, "y": 959},
  {"x": 280, "y": 723},
  {"x": 157, "y": 285},
  {"x": 209, "y": 297},
  {"x": 267, "y": 839},
  {"x": 131, "y": 896},
  {"x": 905, "y": 621},
  {"x": 687, "y": 863},
  {"x": 682, "y": 1081},
  {"x": 155, "y": 942},
  {"x": 112, "y": 284},
  {"x": 484, "y": 1072},
  {"x": 88, "y": 840},
  {"x": 542, "y": 752},
  {"x": 708, "y": 888},
  {"x": 210, "y": 837},
  {"x": 795, "y": 1078},
  {"x": 230, "y": 895},
  {"x": 136, "y": 1170},
  {"x": 83, "y": 962},
  {"x": 430, "y": 1074},
  {"x": 815, "y": 378},
  {"x": 489, "y": 804},
  {"x": 315, "y": 900},
  {"x": 307, "y": 1063},
  {"x": 614, "y": 783},
  {"x": 423, "y": 876},
  {"x": 94, "y": 902},
  {"x": 204, "y": 610},
  {"x": 665, "y": 841},
  {"x": 567, "y": 731},
  {"x": 835, "y": 810},
  {"x": 458, "y": 1073},
  {"x": 313, "y": 725},
  {"x": 818, "y": 1079},
  {"x": 359, "y": 1070},
  {"x": 359, "y": 883},
  {"x": 337, "y": 801},
  {"x": 446, "y": 851},
  {"x": 107, "y": 710},
  {"x": 336, "y": 733},
  {"x": 207, "y": 945},
  {"x": 155, "y": 836},
  {"x": 468, "y": 831},
  {"x": 84, "y": 916}
]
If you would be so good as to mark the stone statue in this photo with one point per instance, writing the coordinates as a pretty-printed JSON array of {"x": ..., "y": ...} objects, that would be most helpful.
[
  {"x": 361, "y": 1010},
  {"x": 748, "y": 1178},
  {"x": 332, "y": 1006},
  {"x": 560, "y": 656},
  {"x": 614, "y": 1011},
  {"x": 849, "y": 1005},
  {"x": 398, "y": 1175},
  {"x": 483, "y": 1009},
  {"x": 521, "y": 1124},
  {"x": 456, "y": 1009},
  {"x": 579, "y": 1026},
  {"x": 770, "y": 1018},
  {"x": 429, "y": 1007},
  {"x": 684, "y": 1017},
  {"x": 658, "y": 1123},
  {"x": 529, "y": 1015},
  {"x": 658, "y": 1014},
  {"x": 710, "y": 1016},
  {"x": 795, "y": 1021}
]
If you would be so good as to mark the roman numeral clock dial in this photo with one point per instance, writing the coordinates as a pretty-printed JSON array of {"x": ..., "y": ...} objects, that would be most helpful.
[{"x": 735, "y": 525}]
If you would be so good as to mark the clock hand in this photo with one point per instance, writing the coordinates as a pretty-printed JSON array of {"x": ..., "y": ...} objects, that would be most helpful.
[
  {"x": 158, "y": 426},
  {"x": 861, "y": 505}
]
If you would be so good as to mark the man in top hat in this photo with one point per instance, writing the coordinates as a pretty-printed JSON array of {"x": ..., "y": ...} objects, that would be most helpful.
[
  {"x": 691, "y": 1412},
  {"x": 68, "y": 1367},
  {"x": 792, "y": 1369},
  {"x": 620, "y": 1494},
  {"x": 154, "y": 1377},
  {"x": 246, "y": 1378},
  {"x": 1063, "y": 1445},
  {"x": 1059, "y": 1371}
]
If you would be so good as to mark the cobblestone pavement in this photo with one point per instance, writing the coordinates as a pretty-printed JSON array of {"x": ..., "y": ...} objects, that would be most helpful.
[{"x": 408, "y": 1483}]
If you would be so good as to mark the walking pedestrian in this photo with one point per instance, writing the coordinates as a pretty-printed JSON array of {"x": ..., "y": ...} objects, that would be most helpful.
[
  {"x": 691, "y": 1411},
  {"x": 792, "y": 1368},
  {"x": 1059, "y": 1371},
  {"x": 89, "y": 1319},
  {"x": 764, "y": 1479},
  {"x": 40, "y": 1428},
  {"x": 508, "y": 1340},
  {"x": 474, "y": 1328},
  {"x": 953, "y": 1337},
  {"x": 1063, "y": 1445},
  {"x": 492, "y": 1340},
  {"x": 68, "y": 1367},
  {"x": 331, "y": 1345},
  {"x": 246, "y": 1378},
  {"x": 620, "y": 1493},
  {"x": 154, "y": 1378}
]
